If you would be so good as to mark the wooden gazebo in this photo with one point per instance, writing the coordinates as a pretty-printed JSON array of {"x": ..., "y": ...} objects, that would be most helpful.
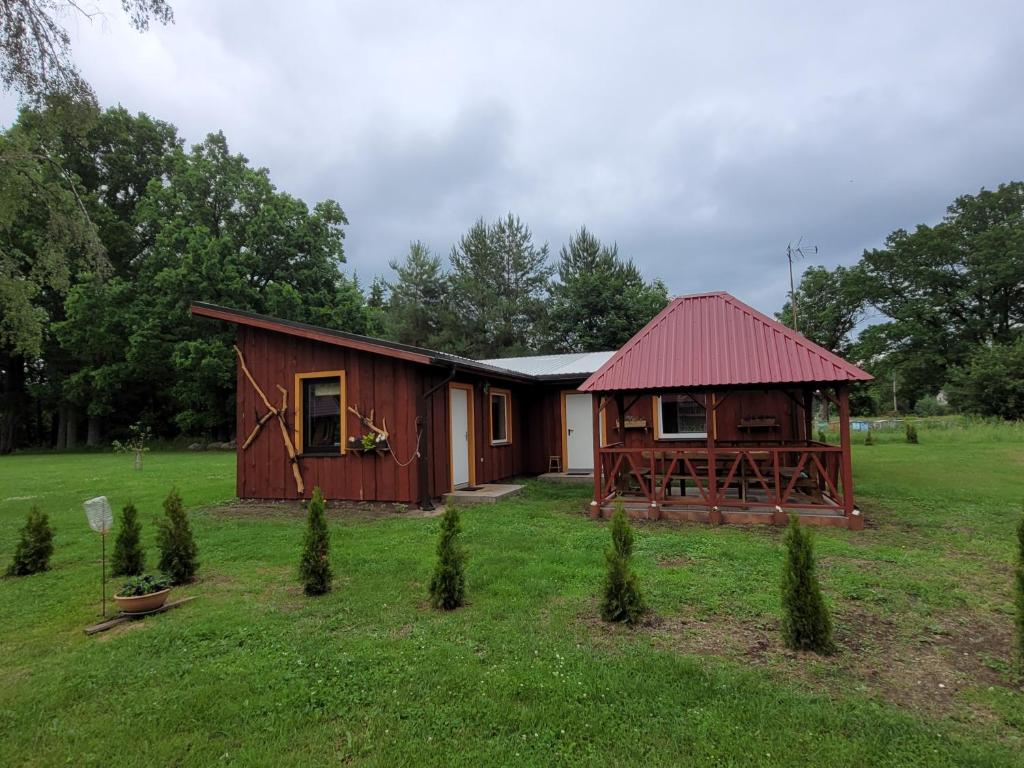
[{"x": 707, "y": 414}]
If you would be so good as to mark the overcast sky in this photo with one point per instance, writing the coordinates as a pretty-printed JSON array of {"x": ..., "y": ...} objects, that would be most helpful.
[{"x": 702, "y": 137}]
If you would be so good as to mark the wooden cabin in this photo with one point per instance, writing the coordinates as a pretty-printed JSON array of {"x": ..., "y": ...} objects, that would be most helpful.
[
  {"x": 705, "y": 414},
  {"x": 308, "y": 397}
]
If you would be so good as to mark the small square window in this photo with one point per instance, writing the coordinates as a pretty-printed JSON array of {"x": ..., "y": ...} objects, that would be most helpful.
[
  {"x": 501, "y": 432},
  {"x": 681, "y": 417}
]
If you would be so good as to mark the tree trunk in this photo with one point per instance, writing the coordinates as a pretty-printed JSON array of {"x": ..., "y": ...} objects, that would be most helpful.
[
  {"x": 95, "y": 434},
  {"x": 62, "y": 428},
  {"x": 12, "y": 371},
  {"x": 72, "y": 428}
]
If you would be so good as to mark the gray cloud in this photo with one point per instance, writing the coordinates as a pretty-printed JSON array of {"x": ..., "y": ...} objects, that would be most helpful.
[{"x": 701, "y": 137}]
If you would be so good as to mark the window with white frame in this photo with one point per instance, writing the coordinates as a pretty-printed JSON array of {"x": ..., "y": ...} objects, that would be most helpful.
[{"x": 681, "y": 416}]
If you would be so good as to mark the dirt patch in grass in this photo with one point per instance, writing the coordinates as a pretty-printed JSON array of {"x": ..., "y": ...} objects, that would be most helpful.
[
  {"x": 924, "y": 673},
  {"x": 121, "y": 629},
  {"x": 339, "y": 510}
]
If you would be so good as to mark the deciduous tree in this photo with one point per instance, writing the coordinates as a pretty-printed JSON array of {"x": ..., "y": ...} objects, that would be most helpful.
[{"x": 948, "y": 290}]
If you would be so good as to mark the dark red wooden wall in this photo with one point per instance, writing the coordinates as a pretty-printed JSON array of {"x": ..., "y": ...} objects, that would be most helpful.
[
  {"x": 391, "y": 387},
  {"x": 732, "y": 409}
]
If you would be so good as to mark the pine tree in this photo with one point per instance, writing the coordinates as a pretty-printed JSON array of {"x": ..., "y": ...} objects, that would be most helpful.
[
  {"x": 32, "y": 554},
  {"x": 497, "y": 290},
  {"x": 599, "y": 299},
  {"x": 1019, "y": 596},
  {"x": 806, "y": 624},
  {"x": 178, "y": 549},
  {"x": 315, "y": 565},
  {"x": 622, "y": 599},
  {"x": 911, "y": 433},
  {"x": 448, "y": 584},
  {"x": 129, "y": 559},
  {"x": 417, "y": 303}
]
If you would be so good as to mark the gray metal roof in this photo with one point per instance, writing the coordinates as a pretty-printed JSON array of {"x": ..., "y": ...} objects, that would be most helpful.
[{"x": 574, "y": 363}]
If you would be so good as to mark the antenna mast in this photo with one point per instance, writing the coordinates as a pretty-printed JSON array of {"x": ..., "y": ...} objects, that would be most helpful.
[{"x": 799, "y": 252}]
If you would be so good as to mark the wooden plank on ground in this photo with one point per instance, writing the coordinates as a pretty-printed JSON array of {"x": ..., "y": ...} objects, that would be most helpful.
[{"x": 123, "y": 617}]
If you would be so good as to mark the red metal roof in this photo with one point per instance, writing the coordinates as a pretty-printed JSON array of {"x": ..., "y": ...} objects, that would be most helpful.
[{"x": 715, "y": 340}]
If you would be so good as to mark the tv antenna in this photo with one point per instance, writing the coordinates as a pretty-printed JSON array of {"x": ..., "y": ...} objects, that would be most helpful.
[{"x": 796, "y": 252}]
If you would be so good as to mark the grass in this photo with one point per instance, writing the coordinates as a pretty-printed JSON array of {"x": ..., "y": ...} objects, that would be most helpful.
[{"x": 253, "y": 673}]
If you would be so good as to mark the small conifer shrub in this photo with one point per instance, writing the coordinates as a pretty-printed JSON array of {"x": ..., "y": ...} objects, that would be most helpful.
[
  {"x": 35, "y": 546},
  {"x": 869, "y": 439},
  {"x": 806, "y": 624},
  {"x": 315, "y": 565},
  {"x": 448, "y": 583},
  {"x": 911, "y": 433},
  {"x": 129, "y": 559},
  {"x": 622, "y": 600},
  {"x": 1019, "y": 594},
  {"x": 178, "y": 549}
]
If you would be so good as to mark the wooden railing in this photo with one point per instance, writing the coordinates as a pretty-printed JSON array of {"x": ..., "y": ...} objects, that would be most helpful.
[{"x": 798, "y": 476}]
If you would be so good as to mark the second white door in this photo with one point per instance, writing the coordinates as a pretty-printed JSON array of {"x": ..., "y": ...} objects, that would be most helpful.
[{"x": 579, "y": 433}]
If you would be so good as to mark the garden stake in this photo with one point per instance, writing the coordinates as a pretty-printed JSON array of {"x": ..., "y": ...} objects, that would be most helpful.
[{"x": 101, "y": 518}]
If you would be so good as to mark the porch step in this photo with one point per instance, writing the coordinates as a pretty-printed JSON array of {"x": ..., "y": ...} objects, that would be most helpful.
[
  {"x": 565, "y": 477},
  {"x": 482, "y": 494}
]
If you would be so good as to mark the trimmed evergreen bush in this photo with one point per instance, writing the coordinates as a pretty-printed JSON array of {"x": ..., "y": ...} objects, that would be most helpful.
[
  {"x": 32, "y": 554},
  {"x": 128, "y": 559},
  {"x": 1019, "y": 594},
  {"x": 911, "y": 433},
  {"x": 448, "y": 584},
  {"x": 622, "y": 600},
  {"x": 869, "y": 439},
  {"x": 806, "y": 624},
  {"x": 178, "y": 549},
  {"x": 315, "y": 565}
]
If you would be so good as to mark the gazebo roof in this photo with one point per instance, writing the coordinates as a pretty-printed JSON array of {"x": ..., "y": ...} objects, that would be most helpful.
[{"x": 715, "y": 340}]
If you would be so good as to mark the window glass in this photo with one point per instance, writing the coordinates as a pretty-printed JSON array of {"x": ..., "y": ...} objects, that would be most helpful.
[
  {"x": 321, "y": 415},
  {"x": 499, "y": 418},
  {"x": 682, "y": 415}
]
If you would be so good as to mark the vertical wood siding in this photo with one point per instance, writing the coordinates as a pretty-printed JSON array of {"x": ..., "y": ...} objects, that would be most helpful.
[
  {"x": 731, "y": 411},
  {"x": 390, "y": 388}
]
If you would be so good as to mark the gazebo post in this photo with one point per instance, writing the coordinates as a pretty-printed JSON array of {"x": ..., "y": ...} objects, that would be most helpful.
[
  {"x": 854, "y": 519},
  {"x": 595, "y": 505},
  {"x": 808, "y": 414},
  {"x": 715, "y": 515}
]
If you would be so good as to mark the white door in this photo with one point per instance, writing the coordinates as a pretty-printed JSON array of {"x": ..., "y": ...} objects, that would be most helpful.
[
  {"x": 579, "y": 437},
  {"x": 459, "y": 408}
]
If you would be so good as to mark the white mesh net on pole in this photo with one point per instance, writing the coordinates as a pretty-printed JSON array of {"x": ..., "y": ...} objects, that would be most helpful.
[{"x": 101, "y": 518}]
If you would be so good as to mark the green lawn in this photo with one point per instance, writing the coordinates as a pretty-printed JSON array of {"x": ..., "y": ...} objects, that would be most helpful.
[{"x": 253, "y": 673}]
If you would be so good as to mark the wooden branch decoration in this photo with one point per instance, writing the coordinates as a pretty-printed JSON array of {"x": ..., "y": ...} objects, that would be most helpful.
[
  {"x": 367, "y": 421},
  {"x": 271, "y": 413}
]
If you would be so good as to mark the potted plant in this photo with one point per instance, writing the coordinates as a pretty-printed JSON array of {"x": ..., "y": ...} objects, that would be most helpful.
[{"x": 143, "y": 594}]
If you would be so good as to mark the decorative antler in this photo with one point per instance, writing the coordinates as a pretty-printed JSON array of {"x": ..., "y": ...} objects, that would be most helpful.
[{"x": 367, "y": 421}]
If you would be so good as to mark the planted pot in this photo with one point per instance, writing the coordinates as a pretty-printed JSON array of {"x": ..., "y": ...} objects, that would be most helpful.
[
  {"x": 142, "y": 603},
  {"x": 142, "y": 594}
]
